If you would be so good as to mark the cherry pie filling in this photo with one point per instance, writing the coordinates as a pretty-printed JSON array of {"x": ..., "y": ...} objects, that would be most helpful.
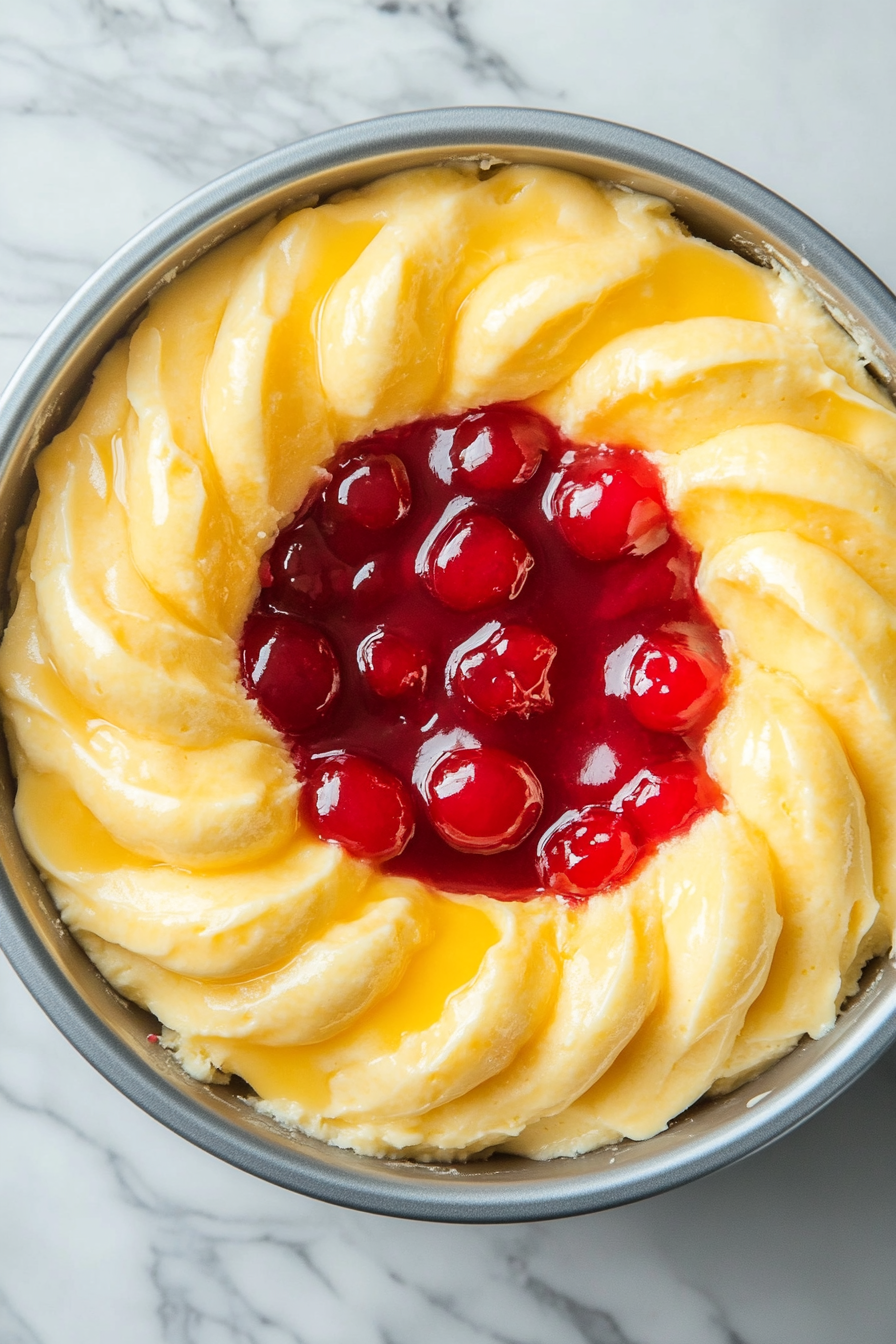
[{"x": 485, "y": 648}]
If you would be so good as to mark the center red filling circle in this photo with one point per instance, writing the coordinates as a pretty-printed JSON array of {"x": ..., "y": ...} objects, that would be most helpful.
[{"x": 485, "y": 648}]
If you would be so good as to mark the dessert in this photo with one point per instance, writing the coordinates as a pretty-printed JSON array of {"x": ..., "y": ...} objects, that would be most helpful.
[{"x": 449, "y": 675}]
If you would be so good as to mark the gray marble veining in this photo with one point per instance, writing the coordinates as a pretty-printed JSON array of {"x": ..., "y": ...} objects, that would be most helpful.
[{"x": 112, "y": 1227}]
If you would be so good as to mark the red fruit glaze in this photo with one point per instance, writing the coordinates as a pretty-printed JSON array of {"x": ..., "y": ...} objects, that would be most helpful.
[
  {"x": 666, "y": 799},
  {"x": 392, "y": 666},
  {"x": 670, "y": 687},
  {"x": 482, "y": 800},
  {"x": 499, "y": 448},
  {"x": 475, "y": 562},
  {"x": 291, "y": 669},
  {"x": 607, "y": 506},
  {"x": 586, "y": 851},
  {"x": 361, "y": 806},
  {"x": 311, "y": 579},
  {"x": 370, "y": 491},
  {"x": 551, "y": 705},
  {"x": 504, "y": 669}
]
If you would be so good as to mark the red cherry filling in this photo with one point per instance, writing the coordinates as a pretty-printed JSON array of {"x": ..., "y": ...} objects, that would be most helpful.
[
  {"x": 670, "y": 687},
  {"x": 371, "y": 584},
  {"x": 666, "y": 799},
  {"x": 499, "y": 448},
  {"x": 303, "y": 573},
  {"x": 361, "y": 806},
  {"x": 370, "y": 491},
  {"x": 475, "y": 562},
  {"x": 291, "y": 668},
  {"x": 483, "y": 800},
  {"x": 586, "y": 851},
  {"x": 606, "y": 505},
  {"x": 391, "y": 665},
  {"x": 547, "y": 745},
  {"x": 504, "y": 669},
  {"x": 636, "y": 582}
]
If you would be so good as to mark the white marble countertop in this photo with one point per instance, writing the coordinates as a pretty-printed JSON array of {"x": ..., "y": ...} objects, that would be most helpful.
[{"x": 113, "y": 1228}]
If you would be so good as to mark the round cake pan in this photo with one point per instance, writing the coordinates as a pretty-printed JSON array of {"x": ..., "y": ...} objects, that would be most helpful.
[{"x": 716, "y": 203}]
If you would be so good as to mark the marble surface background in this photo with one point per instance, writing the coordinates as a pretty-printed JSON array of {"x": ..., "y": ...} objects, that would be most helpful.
[{"x": 112, "y": 1228}]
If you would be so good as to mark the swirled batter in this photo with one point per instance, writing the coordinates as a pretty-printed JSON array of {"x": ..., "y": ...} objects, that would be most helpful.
[{"x": 160, "y": 806}]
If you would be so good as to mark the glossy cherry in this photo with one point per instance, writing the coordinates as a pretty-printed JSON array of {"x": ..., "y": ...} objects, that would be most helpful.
[
  {"x": 608, "y": 504},
  {"x": 503, "y": 669},
  {"x": 360, "y": 805},
  {"x": 302, "y": 573},
  {"x": 371, "y": 491},
  {"x": 666, "y": 799},
  {"x": 392, "y": 666},
  {"x": 482, "y": 800},
  {"x": 586, "y": 851},
  {"x": 671, "y": 687},
  {"x": 476, "y": 561},
  {"x": 638, "y": 582},
  {"x": 291, "y": 669},
  {"x": 371, "y": 584},
  {"x": 499, "y": 447}
]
